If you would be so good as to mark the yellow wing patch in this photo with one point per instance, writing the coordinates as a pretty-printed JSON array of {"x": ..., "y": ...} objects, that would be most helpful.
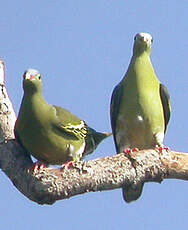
[{"x": 79, "y": 130}]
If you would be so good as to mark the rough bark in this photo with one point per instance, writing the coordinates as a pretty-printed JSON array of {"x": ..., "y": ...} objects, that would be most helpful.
[{"x": 48, "y": 185}]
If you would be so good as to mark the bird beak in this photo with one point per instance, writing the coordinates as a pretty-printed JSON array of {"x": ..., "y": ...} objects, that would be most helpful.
[
  {"x": 29, "y": 77},
  {"x": 144, "y": 39}
]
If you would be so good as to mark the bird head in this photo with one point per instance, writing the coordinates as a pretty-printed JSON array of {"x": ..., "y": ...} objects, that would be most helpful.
[
  {"x": 142, "y": 43},
  {"x": 32, "y": 81}
]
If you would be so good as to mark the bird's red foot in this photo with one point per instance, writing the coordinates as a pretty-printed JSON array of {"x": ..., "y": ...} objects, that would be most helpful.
[
  {"x": 129, "y": 154},
  {"x": 161, "y": 149},
  {"x": 37, "y": 166},
  {"x": 128, "y": 151},
  {"x": 67, "y": 165}
]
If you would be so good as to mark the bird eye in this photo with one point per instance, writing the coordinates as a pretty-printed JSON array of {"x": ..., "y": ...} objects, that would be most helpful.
[
  {"x": 152, "y": 40},
  {"x": 39, "y": 77}
]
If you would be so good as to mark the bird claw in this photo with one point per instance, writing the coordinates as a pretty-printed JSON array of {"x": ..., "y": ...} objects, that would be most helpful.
[
  {"x": 161, "y": 149},
  {"x": 37, "y": 166},
  {"x": 67, "y": 165},
  {"x": 128, "y": 151},
  {"x": 129, "y": 154}
]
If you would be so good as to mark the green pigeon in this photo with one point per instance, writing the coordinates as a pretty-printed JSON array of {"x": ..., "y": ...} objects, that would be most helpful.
[
  {"x": 140, "y": 107},
  {"x": 51, "y": 134}
]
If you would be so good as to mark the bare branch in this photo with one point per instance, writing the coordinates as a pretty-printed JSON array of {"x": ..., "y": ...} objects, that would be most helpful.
[
  {"x": 7, "y": 114},
  {"x": 48, "y": 185}
]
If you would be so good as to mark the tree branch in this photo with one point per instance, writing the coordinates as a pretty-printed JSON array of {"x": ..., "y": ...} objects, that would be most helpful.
[{"x": 48, "y": 185}]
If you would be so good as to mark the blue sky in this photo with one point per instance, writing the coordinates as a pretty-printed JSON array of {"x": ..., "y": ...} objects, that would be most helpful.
[{"x": 82, "y": 49}]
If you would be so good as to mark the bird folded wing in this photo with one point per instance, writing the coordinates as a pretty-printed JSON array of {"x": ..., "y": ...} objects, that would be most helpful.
[
  {"x": 69, "y": 124},
  {"x": 165, "y": 99},
  {"x": 78, "y": 130}
]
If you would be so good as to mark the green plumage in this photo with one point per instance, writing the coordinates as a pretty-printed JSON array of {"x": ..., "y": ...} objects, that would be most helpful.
[
  {"x": 140, "y": 106},
  {"x": 51, "y": 134}
]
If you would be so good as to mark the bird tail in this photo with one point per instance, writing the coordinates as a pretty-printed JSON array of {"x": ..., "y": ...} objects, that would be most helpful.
[
  {"x": 98, "y": 137},
  {"x": 93, "y": 140},
  {"x": 132, "y": 192}
]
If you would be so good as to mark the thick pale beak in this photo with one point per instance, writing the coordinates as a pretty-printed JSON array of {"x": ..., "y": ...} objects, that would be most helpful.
[
  {"x": 29, "y": 77},
  {"x": 144, "y": 39}
]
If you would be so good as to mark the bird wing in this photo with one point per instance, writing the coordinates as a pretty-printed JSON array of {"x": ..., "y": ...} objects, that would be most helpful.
[
  {"x": 69, "y": 124},
  {"x": 165, "y": 99},
  {"x": 114, "y": 109}
]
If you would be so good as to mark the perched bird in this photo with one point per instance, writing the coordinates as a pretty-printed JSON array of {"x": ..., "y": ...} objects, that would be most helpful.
[
  {"x": 140, "y": 107},
  {"x": 51, "y": 134}
]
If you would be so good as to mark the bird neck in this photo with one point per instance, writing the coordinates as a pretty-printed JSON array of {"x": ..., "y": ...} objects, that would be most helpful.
[
  {"x": 141, "y": 69},
  {"x": 33, "y": 96},
  {"x": 31, "y": 88},
  {"x": 34, "y": 102},
  {"x": 140, "y": 62},
  {"x": 144, "y": 54},
  {"x": 140, "y": 50}
]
